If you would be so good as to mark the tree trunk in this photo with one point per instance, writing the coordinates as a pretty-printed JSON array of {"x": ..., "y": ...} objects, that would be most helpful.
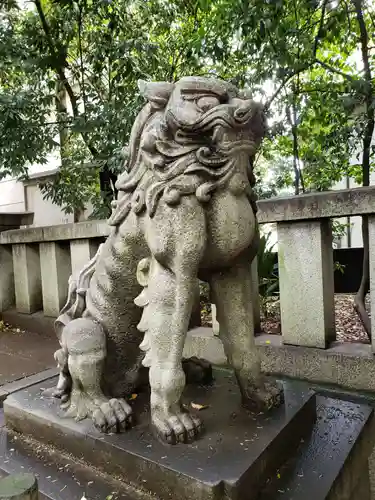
[
  {"x": 359, "y": 300},
  {"x": 298, "y": 179},
  {"x": 107, "y": 181},
  {"x": 62, "y": 113}
]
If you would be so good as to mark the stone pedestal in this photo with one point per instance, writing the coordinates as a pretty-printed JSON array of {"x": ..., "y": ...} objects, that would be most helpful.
[{"x": 232, "y": 460}]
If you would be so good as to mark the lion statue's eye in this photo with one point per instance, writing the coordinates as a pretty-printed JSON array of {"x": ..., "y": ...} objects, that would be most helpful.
[{"x": 207, "y": 102}]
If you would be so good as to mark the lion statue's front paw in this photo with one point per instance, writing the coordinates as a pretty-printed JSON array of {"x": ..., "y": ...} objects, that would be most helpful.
[
  {"x": 176, "y": 427},
  {"x": 113, "y": 416}
]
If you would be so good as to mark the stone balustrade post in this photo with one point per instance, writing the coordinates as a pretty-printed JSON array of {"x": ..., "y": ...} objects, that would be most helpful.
[
  {"x": 55, "y": 271},
  {"x": 215, "y": 323},
  {"x": 306, "y": 282},
  {"x": 27, "y": 277},
  {"x": 81, "y": 252},
  {"x": 19, "y": 487},
  {"x": 7, "y": 292},
  {"x": 9, "y": 221}
]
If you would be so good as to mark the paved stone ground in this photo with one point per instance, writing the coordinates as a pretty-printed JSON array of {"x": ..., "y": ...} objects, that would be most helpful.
[{"x": 23, "y": 353}]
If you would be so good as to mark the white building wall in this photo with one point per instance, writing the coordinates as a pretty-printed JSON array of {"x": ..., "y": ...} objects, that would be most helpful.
[
  {"x": 353, "y": 238},
  {"x": 15, "y": 196},
  {"x": 12, "y": 198},
  {"x": 45, "y": 212}
]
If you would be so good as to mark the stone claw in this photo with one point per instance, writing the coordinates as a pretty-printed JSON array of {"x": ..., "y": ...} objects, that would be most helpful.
[
  {"x": 181, "y": 427},
  {"x": 113, "y": 416},
  {"x": 263, "y": 397}
]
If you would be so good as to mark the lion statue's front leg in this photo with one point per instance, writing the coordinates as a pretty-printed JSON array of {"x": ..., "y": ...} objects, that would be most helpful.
[{"x": 170, "y": 278}]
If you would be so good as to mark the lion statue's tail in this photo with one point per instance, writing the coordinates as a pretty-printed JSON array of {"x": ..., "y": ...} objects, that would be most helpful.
[{"x": 76, "y": 301}]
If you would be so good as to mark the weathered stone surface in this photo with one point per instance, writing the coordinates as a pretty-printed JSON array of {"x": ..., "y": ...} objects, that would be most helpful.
[
  {"x": 315, "y": 469},
  {"x": 81, "y": 252},
  {"x": 24, "y": 383},
  {"x": 329, "y": 204},
  {"x": 306, "y": 283},
  {"x": 332, "y": 464},
  {"x": 19, "y": 487},
  {"x": 232, "y": 460},
  {"x": 7, "y": 292},
  {"x": 79, "y": 230},
  {"x": 27, "y": 278},
  {"x": 59, "y": 476},
  {"x": 371, "y": 467},
  {"x": 185, "y": 211},
  {"x": 203, "y": 343},
  {"x": 55, "y": 271},
  {"x": 346, "y": 365},
  {"x": 255, "y": 295}
]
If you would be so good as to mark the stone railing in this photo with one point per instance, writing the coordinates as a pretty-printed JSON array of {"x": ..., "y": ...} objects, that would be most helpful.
[
  {"x": 38, "y": 261},
  {"x": 35, "y": 264},
  {"x": 306, "y": 259}
]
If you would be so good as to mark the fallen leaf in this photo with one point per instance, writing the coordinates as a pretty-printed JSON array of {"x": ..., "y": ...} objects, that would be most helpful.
[
  {"x": 198, "y": 407},
  {"x": 133, "y": 396}
]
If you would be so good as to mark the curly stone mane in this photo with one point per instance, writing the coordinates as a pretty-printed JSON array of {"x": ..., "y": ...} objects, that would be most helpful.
[{"x": 170, "y": 159}]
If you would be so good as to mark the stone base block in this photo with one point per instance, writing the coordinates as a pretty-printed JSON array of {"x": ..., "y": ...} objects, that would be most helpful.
[
  {"x": 202, "y": 342},
  {"x": 233, "y": 459}
]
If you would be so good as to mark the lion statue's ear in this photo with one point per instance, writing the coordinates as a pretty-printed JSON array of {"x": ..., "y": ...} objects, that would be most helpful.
[{"x": 156, "y": 92}]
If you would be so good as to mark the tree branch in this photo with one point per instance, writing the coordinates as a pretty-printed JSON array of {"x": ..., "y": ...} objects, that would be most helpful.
[
  {"x": 284, "y": 83},
  {"x": 80, "y": 21},
  {"x": 58, "y": 66},
  {"x": 321, "y": 23},
  {"x": 334, "y": 70}
]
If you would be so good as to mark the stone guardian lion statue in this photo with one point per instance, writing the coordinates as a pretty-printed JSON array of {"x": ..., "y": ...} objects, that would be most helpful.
[{"x": 185, "y": 211}]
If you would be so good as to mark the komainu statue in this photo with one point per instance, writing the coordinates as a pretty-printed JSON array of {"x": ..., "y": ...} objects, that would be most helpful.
[{"x": 185, "y": 211}]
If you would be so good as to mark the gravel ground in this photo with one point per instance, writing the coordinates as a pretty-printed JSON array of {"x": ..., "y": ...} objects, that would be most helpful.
[{"x": 348, "y": 326}]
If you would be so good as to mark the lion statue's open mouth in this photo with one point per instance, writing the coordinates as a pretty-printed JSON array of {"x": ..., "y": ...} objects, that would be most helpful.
[{"x": 168, "y": 151}]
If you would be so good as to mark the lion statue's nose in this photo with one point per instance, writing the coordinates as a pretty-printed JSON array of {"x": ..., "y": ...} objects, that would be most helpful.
[{"x": 243, "y": 111}]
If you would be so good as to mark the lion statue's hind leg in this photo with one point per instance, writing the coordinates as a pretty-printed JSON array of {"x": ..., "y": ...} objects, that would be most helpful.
[
  {"x": 85, "y": 342},
  {"x": 232, "y": 293}
]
